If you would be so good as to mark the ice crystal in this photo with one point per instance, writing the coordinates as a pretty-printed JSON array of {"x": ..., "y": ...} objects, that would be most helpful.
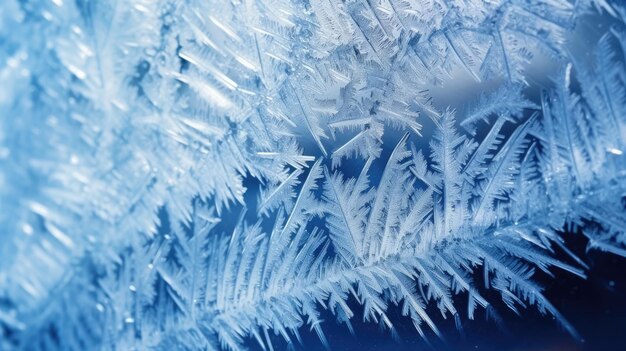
[{"x": 134, "y": 136}]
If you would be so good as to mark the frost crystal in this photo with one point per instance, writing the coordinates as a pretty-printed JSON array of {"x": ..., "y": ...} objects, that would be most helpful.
[{"x": 210, "y": 174}]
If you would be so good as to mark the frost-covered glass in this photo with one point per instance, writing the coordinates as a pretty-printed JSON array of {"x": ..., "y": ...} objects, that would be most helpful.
[{"x": 221, "y": 175}]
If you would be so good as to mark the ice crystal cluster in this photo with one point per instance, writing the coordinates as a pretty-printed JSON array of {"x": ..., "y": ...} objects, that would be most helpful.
[{"x": 218, "y": 175}]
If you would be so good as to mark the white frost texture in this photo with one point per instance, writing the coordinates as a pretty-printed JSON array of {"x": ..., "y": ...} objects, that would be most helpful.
[{"x": 225, "y": 175}]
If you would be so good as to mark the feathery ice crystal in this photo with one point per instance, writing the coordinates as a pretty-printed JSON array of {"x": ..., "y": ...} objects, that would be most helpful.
[{"x": 205, "y": 175}]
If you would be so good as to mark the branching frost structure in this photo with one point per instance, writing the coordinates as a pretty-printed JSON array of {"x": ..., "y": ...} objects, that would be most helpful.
[{"x": 130, "y": 133}]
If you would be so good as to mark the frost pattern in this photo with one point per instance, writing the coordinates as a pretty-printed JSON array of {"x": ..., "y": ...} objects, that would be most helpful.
[{"x": 131, "y": 128}]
